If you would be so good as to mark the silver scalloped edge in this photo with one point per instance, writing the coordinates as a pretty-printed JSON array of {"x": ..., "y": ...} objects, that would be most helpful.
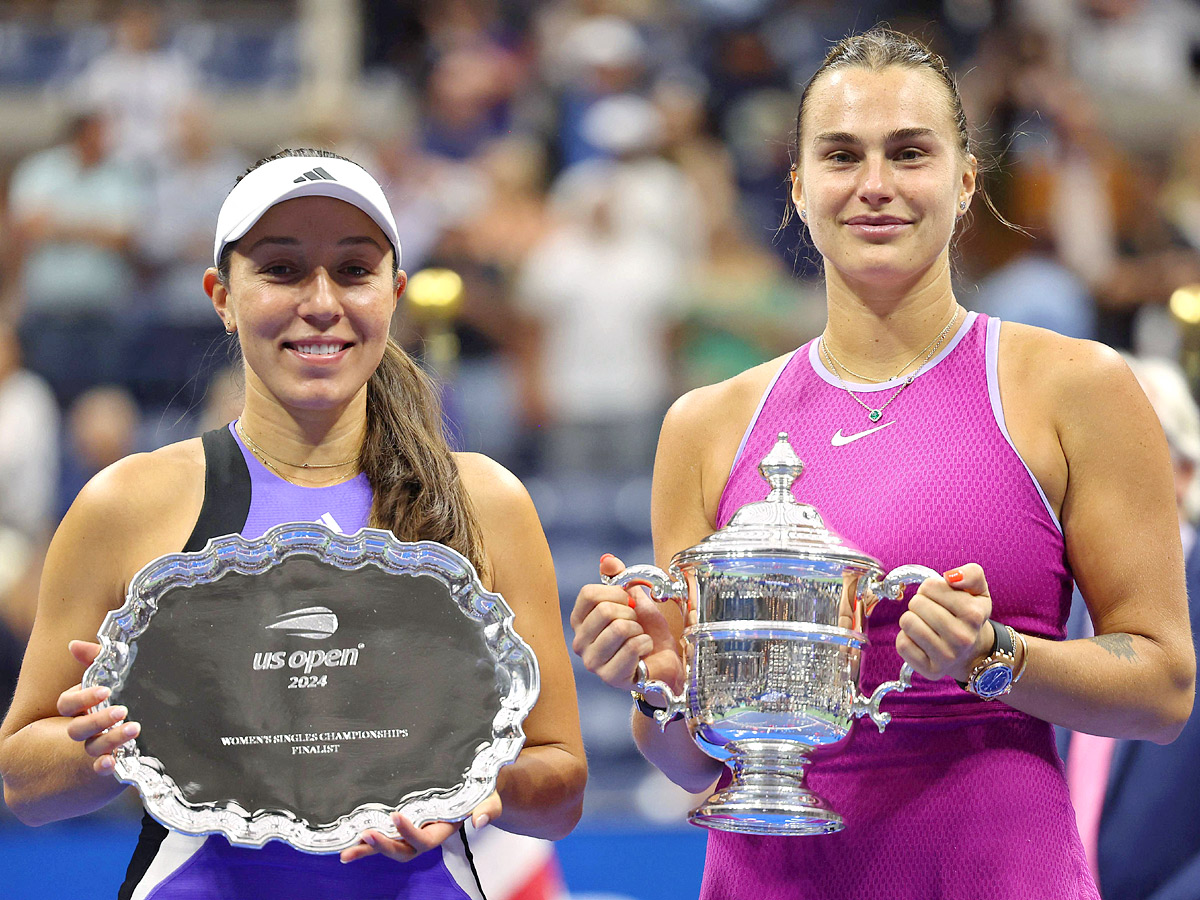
[{"x": 370, "y": 546}]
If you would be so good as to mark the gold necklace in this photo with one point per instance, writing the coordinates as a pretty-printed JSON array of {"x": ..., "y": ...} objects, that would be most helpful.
[
  {"x": 265, "y": 458},
  {"x": 875, "y": 414},
  {"x": 936, "y": 341}
]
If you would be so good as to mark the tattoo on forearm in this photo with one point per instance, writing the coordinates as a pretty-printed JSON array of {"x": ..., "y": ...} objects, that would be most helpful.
[{"x": 1120, "y": 645}]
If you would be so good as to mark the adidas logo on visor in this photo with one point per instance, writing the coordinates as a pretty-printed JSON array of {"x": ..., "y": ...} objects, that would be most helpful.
[{"x": 317, "y": 174}]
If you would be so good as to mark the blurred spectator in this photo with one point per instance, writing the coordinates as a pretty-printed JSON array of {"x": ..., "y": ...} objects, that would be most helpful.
[
  {"x": 28, "y": 481},
  {"x": 467, "y": 100},
  {"x": 645, "y": 194},
  {"x": 1181, "y": 196},
  {"x": 1111, "y": 41},
  {"x": 74, "y": 213},
  {"x": 139, "y": 85},
  {"x": 587, "y": 60},
  {"x": 20, "y": 567},
  {"x": 176, "y": 234},
  {"x": 177, "y": 330},
  {"x": 224, "y": 399},
  {"x": 102, "y": 427},
  {"x": 600, "y": 300},
  {"x": 29, "y": 425},
  {"x": 740, "y": 307},
  {"x": 506, "y": 220},
  {"x": 1106, "y": 260}
]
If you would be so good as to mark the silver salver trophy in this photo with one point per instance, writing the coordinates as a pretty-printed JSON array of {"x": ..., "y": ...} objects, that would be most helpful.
[
  {"x": 304, "y": 685},
  {"x": 775, "y": 606}
]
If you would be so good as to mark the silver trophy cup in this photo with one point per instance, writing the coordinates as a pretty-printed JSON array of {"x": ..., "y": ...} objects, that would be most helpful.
[{"x": 775, "y": 605}]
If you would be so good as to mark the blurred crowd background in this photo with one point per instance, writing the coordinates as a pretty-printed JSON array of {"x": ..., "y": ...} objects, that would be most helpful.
[{"x": 589, "y": 195}]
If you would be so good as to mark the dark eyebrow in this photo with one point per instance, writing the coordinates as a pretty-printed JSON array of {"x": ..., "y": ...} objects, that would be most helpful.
[
  {"x": 293, "y": 242},
  {"x": 362, "y": 239},
  {"x": 900, "y": 134},
  {"x": 286, "y": 241}
]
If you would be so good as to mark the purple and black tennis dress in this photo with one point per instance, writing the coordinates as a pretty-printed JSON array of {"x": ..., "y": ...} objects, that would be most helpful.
[
  {"x": 958, "y": 799},
  {"x": 243, "y": 496}
]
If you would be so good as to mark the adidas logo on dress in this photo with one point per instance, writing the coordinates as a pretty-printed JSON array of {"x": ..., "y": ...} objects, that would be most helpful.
[{"x": 317, "y": 174}]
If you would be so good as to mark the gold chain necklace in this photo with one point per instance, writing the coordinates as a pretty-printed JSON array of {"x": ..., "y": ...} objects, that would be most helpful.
[
  {"x": 936, "y": 341},
  {"x": 265, "y": 458},
  {"x": 876, "y": 413}
]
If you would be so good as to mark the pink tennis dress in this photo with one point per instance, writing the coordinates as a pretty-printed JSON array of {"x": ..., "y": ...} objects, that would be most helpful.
[{"x": 959, "y": 799}]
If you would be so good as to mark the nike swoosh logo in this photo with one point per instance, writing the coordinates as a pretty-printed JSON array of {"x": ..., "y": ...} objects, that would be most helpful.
[{"x": 840, "y": 440}]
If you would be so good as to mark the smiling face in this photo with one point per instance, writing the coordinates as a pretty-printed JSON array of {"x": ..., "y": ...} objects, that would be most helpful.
[
  {"x": 881, "y": 172},
  {"x": 311, "y": 294}
]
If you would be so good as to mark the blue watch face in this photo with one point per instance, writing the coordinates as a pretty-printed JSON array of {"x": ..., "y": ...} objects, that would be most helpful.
[{"x": 993, "y": 681}]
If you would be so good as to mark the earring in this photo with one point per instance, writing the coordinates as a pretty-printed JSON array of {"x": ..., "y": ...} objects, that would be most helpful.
[
  {"x": 803, "y": 215},
  {"x": 962, "y": 204},
  {"x": 231, "y": 329}
]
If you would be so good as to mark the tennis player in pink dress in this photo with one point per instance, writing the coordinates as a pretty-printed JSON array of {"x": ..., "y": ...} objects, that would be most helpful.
[{"x": 1013, "y": 460}]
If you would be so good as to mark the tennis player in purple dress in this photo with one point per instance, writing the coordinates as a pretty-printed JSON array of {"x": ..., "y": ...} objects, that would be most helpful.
[
  {"x": 339, "y": 426},
  {"x": 1011, "y": 459}
]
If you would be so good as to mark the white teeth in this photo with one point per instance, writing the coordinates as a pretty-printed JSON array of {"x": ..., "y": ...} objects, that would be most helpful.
[{"x": 318, "y": 349}]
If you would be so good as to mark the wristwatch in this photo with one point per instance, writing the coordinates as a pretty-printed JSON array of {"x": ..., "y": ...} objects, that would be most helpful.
[{"x": 992, "y": 676}]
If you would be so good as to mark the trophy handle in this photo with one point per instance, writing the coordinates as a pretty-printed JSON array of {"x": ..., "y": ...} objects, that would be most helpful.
[
  {"x": 676, "y": 703},
  {"x": 662, "y": 589},
  {"x": 892, "y": 587},
  {"x": 869, "y": 706},
  {"x": 658, "y": 582}
]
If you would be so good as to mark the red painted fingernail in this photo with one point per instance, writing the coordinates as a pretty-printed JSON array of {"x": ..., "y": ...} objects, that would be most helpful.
[
  {"x": 954, "y": 576},
  {"x": 607, "y": 556},
  {"x": 632, "y": 602}
]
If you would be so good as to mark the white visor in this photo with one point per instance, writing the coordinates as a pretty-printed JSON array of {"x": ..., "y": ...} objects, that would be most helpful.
[{"x": 301, "y": 176}]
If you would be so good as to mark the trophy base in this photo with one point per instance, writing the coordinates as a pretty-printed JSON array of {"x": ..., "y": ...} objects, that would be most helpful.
[
  {"x": 797, "y": 816},
  {"x": 768, "y": 794}
]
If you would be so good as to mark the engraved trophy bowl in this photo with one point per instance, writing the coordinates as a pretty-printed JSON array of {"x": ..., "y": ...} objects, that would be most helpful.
[{"x": 775, "y": 606}]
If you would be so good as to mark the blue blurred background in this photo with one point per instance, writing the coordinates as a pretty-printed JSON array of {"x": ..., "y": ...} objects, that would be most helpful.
[{"x": 607, "y": 179}]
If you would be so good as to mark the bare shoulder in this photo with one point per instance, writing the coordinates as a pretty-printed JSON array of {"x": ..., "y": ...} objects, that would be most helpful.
[
  {"x": 493, "y": 489},
  {"x": 143, "y": 487},
  {"x": 701, "y": 434},
  {"x": 138, "y": 508},
  {"x": 1062, "y": 368},
  {"x": 512, "y": 533},
  {"x": 719, "y": 405}
]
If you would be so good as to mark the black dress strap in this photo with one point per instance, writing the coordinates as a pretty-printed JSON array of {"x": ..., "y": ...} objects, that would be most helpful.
[
  {"x": 226, "y": 490},
  {"x": 226, "y": 505}
]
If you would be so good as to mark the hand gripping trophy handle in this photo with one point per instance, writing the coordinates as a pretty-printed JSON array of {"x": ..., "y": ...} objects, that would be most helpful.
[
  {"x": 891, "y": 587},
  {"x": 661, "y": 588}
]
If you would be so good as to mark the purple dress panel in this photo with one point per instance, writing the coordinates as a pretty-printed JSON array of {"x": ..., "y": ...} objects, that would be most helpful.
[{"x": 958, "y": 798}]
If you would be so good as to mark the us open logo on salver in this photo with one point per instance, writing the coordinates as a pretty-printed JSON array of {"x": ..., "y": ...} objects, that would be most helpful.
[{"x": 314, "y": 623}]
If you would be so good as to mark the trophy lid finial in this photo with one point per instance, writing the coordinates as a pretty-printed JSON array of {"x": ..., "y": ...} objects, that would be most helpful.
[{"x": 781, "y": 467}]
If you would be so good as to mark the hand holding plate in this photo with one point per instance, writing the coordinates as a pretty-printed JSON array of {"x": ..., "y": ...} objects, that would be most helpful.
[{"x": 100, "y": 730}]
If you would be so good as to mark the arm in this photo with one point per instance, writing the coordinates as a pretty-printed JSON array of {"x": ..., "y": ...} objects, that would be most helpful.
[
  {"x": 679, "y": 519},
  {"x": 52, "y": 753},
  {"x": 610, "y": 635},
  {"x": 1136, "y": 677},
  {"x": 1097, "y": 448},
  {"x": 542, "y": 792}
]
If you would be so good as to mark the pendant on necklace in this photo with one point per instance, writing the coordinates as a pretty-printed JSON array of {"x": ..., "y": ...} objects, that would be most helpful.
[{"x": 875, "y": 415}]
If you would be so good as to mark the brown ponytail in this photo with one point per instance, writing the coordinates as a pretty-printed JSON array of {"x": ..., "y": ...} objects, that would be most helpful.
[{"x": 407, "y": 460}]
